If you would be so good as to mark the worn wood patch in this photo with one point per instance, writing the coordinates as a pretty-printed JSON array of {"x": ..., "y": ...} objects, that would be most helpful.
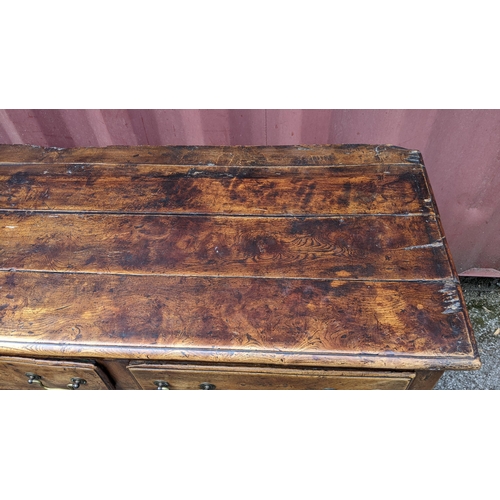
[
  {"x": 383, "y": 247},
  {"x": 216, "y": 190},
  {"x": 279, "y": 317},
  {"x": 340, "y": 154}
]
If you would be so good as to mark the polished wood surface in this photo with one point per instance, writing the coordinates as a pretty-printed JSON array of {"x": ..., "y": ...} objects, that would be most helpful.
[
  {"x": 420, "y": 324},
  {"x": 381, "y": 247},
  {"x": 310, "y": 190},
  {"x": 299, "y": 256}
]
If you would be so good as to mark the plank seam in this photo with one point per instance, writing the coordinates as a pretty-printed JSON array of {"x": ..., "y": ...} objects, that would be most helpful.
[{"x": 211, "y": 276}]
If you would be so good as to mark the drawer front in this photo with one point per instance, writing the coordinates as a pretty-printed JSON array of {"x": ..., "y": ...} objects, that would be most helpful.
[
  {"x": 155, "y": 376},
  {"x": 41, "y": 374}
]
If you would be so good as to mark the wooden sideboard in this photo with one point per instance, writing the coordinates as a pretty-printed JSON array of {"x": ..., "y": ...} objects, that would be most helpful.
[{"x": 290, "y": 267}]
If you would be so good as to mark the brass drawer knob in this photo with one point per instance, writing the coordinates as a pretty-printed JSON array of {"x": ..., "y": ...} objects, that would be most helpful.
[
  {"x": 75, "y": 383},
  {"x": 207, "y": 387},
  {"x": 32, "y": 378},
  {"x": 161, "y": 385}
]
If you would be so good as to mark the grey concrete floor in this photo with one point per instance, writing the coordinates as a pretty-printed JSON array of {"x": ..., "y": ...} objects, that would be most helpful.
[{"x": 482, "y": 297}]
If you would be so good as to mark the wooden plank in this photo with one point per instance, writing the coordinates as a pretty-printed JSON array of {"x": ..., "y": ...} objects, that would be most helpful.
[
  {"x": 383, "y": 247},
  {"x": 216, "y": 190},
  {"x": 340, "y": 154},
  {"x": 417, "y": 325}
]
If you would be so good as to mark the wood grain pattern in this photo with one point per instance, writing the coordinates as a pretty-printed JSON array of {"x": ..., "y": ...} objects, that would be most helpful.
[
  {"x": 420, "y": 322},
  {"x": 307, "y": 257},
  {"x": 340, "y": 154},
  {"x": 325, "y": 190},
  {"x": 190, "y": 377},
  {"x": 346, "y": 247}
]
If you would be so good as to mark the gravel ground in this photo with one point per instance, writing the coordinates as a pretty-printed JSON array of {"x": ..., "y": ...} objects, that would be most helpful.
[{"x": 482, "y": 296}]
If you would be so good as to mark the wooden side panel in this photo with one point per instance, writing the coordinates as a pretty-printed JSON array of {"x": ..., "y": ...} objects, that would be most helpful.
[
  {"x": 342, "y": 154},
  {"x": 191, "y": 377},
  {"x": 375, "y": 189},
  {"x": 402, "y": 322},
  {"x": 117, "y": 369},
  {"x": 346, "y": 247},
  {"x": 53, "y": 374}
]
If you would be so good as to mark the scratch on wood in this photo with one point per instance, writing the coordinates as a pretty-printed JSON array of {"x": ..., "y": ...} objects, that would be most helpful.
[
  {"x": 414, "y": 157},
  {"x": 438, "y": 243},
  {"x": 452, "y": 300},
  {"x": 453, "y": 308}
]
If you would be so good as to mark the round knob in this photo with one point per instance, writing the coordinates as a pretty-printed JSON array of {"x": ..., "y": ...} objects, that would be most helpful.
[
  {"x": 162, "y": 385},
  {"x": 33, "y": 378},
  {"x": 207, "y": 387},
  {"x": 76, "y": 383}
]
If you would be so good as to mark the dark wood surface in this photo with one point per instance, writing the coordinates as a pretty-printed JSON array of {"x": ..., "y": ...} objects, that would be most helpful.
[
  {"x": 309, "y": 255},
  {"x": 381, "y": 247},
  {"x": 308, "y": 190},
  {"x": 342, "y": 154},
  {"x": 420, "y": 324}
]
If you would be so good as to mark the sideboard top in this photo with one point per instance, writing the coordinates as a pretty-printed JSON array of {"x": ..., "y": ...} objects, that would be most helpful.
[
  {"x": 240, "y": 156},
  {"x": 327, "y": 255}
]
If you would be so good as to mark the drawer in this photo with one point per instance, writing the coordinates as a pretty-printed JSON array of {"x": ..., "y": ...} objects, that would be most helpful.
[
  {"x": 156, "y": 376},
  {"x": 40, "y": 374}
]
